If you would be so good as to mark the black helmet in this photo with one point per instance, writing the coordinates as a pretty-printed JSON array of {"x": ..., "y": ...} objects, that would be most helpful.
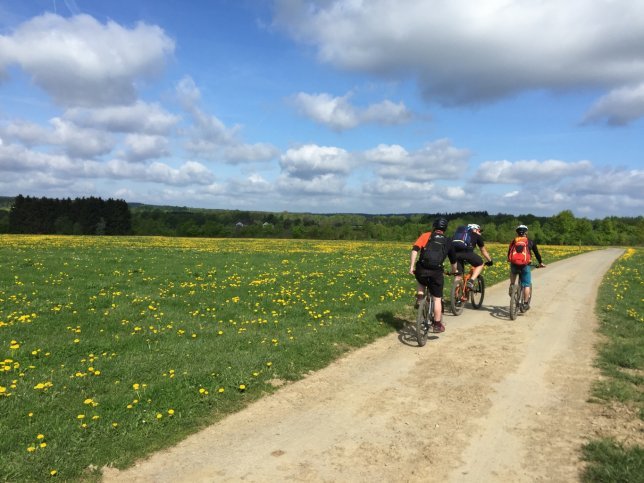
[
  {"x": 440, "y": 224},
  {"x": 522, "y": 230}
]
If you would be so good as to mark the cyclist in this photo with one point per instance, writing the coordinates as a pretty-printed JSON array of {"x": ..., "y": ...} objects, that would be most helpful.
[
  {"x": 523, "y": 270},
  {"x": 465, "y": 253},
  {"x": 431, "y": 275}
]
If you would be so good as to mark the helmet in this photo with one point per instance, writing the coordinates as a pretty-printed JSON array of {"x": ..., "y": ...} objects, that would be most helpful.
[
  {"x": 440, "y": 224},
  {"x": 522, "y": 230},
  {"x": 473, "y": 226}
]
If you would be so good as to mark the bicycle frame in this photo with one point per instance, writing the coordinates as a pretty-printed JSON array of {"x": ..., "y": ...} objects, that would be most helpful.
[{"x": 461, "y": 293}]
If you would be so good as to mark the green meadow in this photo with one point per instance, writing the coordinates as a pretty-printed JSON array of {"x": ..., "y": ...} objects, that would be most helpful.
[
  {"x": 620, "y": 309},
  {"x": 114, "y": 347}
]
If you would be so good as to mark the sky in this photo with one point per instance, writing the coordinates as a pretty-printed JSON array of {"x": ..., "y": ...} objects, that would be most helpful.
[{"x": 327, "y": 106}]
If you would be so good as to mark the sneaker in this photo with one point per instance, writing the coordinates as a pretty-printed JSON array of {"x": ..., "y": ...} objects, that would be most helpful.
[
  {"x": 526, "y": 306},
  {"x": 470, "y": 285},
  {"x": 438, "y": 327}
]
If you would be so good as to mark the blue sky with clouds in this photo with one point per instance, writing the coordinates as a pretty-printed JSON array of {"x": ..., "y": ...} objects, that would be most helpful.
[{"x": 379, "y": 106}]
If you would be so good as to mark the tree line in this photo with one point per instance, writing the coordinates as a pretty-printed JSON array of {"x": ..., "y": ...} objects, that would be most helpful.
[
  {"x": 81, "y": 216},
  {"x": 93, "y": 216}
]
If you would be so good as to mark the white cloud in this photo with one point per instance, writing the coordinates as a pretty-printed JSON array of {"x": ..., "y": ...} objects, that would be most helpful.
[
  {"x": 310, "y": 161},
  {"x": 327, "y": 184},
  {"x": 80, "y": 62},
  {"x": 468, "y": 52},
  {"x": 141, "y": 147},
  {"x": 67, "y": 137},
  {"x": 531, "y": 171},
  {"x": 618, "y": 107},
  {"x": 436, "y": 160},
  {"x": 139, "y": 117},
  {"x": 339, "y": 114}
]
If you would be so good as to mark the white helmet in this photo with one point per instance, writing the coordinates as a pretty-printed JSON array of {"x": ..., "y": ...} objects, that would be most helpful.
[{"x": 473, "y": 226}]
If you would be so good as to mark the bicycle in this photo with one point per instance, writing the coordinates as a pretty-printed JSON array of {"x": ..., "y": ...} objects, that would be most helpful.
[
  {"x": 461, "y": 293},
  {"x": 424, "y": 317},
  {"x": 517, "y": 301}
]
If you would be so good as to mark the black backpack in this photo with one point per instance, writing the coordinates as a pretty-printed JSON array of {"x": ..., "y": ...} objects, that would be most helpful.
[{"x": 433, "y": 254}]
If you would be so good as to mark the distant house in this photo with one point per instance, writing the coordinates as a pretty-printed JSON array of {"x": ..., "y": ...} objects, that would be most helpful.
[
  {"x": 266, "y": 224},
  {"x": 239, "y": 224}
]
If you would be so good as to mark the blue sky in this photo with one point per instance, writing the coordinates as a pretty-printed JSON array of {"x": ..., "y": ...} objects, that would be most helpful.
[{"x": 379, "y": 106}]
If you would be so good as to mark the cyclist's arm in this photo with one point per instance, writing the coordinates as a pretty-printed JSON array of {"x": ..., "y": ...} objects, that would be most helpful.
[
  {"x": 535, "y": 250},
  {"x": 485, "y": 253},
  {"x": 412, "y": 259}
]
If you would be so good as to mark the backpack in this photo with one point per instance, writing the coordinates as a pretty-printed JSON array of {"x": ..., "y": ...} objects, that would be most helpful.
[
  {"x": 434, "y": 253},
  {"x": 519, "y": 253},
  {"x": 462, "y": 238}
]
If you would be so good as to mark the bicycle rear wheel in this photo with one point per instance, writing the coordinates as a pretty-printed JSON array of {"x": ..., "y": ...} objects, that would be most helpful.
[
  {"x": 515, "y": 301},
  {"x": 476, "y": 295},
  {"x": 456, "y": 298},
  {"x": 423, "y": 319}
]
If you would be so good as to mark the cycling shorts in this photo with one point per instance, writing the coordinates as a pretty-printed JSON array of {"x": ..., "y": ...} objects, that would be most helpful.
[
  {"x": 524, "y": 273},
  {"x": 434, "y": 280},
  {"x": 469, "y": 257}
]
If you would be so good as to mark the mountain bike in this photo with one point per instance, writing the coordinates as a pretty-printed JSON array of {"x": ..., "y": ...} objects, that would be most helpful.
[
  {"x": 517, "y": 302},
  {"x": 461, "y": 293},
  {"x": 424, "y": 317}
]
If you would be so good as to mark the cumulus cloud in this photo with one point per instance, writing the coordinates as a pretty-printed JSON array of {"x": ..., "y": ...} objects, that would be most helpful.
[
  {"x": 618, "y": 107},
  {"x": 141, "y": 147},
  {"x": 311, "y": 162},
  {"x": 339, "y": 114},
  {"x": 532, "y": 171},
  {"x": 80, "y": 62},
  {"x": 139, "y": 117},
  {"x": 436, "y": 160},
  {"x": 66, "y": 136},
  {"x": 463, "y": 52}
]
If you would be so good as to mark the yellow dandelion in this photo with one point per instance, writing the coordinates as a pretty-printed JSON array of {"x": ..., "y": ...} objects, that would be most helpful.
[
  {"x": 40, "y": 436},
  {"x": 242, "y": 387},
  {"x": 53, "y": 472},
  {"x": 136, "y": 386},
  {"x": 80, "y": 416}
]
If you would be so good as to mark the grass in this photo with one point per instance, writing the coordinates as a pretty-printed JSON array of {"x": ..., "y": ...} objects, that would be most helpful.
[
  {"x": 114, "y": 347},
  {"x": 621, "y": 359}
]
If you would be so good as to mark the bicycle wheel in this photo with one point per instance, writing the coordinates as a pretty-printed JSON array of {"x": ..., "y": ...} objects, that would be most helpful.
[
  {"x": 456, "y": 298},
  {"x": 476, "y": 295},
  {"x": 423, "y": 320},
  {"x": 515, "y": 300}
]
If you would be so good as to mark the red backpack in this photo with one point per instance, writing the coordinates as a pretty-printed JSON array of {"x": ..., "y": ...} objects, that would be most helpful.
[{"x": 519, "y": 253}]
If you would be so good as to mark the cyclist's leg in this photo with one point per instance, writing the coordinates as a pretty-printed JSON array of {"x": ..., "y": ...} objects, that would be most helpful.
[
  {"x": 514, "y": 271},
  {"x": 420, "y": 289},
  {"x": 526, "y": 283},
  {"x": 435, "y": 287},
  {"x": 477, "y": 262}
]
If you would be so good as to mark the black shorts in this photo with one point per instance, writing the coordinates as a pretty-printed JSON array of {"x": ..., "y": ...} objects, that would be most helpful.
[
  {"x": 469, "y": 257},
  {"x": 433, "y": 279}
]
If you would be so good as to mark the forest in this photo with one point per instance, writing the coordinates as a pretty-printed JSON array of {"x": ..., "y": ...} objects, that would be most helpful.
[{"x": 94, "y": 216}]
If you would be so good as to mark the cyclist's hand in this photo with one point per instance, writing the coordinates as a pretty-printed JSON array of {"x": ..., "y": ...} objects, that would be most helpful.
[
  {"x": 490, "y": 263},
  {"x": 412, "y": 271}
]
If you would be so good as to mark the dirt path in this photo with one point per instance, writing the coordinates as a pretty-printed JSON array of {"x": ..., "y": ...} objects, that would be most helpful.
[{"x": 488, "y": 400}]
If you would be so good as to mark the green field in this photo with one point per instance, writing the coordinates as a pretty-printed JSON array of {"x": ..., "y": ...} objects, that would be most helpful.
[
  {"x": 113, "y": 347},
  {"x": 620, "y": 309}
]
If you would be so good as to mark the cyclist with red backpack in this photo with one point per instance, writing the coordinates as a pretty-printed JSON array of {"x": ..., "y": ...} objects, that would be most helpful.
[
  {"x": 520, "y": 258},
  {"x": 466, "y": 239},
  {"x": 426, "y": 264}
]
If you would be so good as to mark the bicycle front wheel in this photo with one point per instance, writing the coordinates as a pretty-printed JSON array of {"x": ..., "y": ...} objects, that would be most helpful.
[
  {"x": 422, "y": 320},
  {"x": 456, "y": 300},
  {"x": 476, "y": 295}
]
